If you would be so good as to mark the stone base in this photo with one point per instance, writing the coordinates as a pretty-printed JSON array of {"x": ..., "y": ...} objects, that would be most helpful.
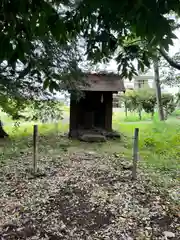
[
  {"x": 94, "y": 135},
  {"x": 92, "y": 138}
]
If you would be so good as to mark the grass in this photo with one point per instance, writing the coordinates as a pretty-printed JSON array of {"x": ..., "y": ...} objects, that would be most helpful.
[
  {"x": 133, "y": 116},
  {"x": 159, "y": 142},
  {"x": 26, "y": 129},
  {"x": 176, "y": 113},
  {"x": 65, "y": 108}
]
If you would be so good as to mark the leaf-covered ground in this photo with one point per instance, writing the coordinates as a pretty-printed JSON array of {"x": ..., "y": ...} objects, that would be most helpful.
[{"x": 83, "y": 194}]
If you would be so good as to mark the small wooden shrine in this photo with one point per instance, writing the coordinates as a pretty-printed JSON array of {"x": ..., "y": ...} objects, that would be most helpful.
[{"x": 93, "y": 112}]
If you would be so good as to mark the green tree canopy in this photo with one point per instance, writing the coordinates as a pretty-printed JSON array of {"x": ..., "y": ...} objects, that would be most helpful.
[
  {"x": 145, "y": 99},
  {"x": 131, "y": 29},
  {"x": 36, "y": 48},
  {"x": 107, "y": 26}
]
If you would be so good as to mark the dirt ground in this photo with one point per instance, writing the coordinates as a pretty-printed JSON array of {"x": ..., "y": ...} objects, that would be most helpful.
[{"x": 82, "y": 195}]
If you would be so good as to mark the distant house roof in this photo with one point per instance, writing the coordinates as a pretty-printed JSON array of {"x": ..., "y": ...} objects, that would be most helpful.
[
  {"x": 103, "y": 82},
  {"x": 143, "y": 77}
]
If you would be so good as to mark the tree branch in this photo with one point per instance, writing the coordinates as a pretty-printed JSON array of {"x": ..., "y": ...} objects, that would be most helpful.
[
  {"x": 171, "y": 62},
  {"x": 176, "y": 27}
]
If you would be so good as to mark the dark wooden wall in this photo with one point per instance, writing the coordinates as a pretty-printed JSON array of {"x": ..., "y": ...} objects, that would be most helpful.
[{"x": 91, "y": 111}]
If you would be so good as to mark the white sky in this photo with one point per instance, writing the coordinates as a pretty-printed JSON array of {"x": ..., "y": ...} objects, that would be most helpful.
[{"x": 176, "y": 47}]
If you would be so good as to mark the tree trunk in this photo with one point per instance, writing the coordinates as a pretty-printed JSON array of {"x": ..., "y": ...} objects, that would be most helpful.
[
  {"x": 152, "y": 115},
  {"x": 158, "y": 90},
  {"x": 140, "y": 116},
  {"x": 166, "y": 114},
  {"x": 126, "y": 111},
  {"x": 3, "y": 134}
]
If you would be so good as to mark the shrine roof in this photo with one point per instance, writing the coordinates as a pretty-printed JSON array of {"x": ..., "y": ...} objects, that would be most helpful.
[{"x": 103, "y": 82}]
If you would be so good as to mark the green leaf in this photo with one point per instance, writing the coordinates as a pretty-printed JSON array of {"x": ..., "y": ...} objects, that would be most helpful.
[{"x": 46, "y": 83}]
